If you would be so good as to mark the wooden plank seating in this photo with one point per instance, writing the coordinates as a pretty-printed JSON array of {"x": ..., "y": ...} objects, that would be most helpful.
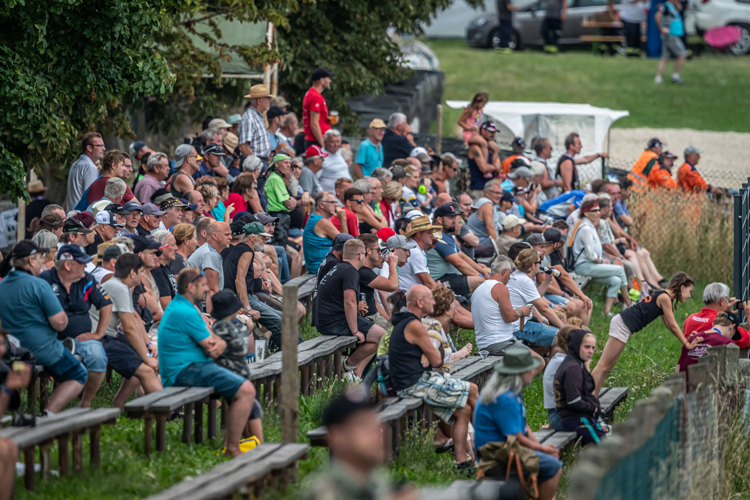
[
  {"x": 306, "y": 285},
  {"x": 268, "y": 465},
  {"x": 66, "y": 427},
  {"x": 161, "y": 404},
  {"x": 610, "y": 399},
  {"x": 319, "y": 359}
]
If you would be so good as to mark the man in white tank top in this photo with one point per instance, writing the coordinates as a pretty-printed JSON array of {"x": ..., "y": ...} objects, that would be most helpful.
[{"x": 494, "y": 317}]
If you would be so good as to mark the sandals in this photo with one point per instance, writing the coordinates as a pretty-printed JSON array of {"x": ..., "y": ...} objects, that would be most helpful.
[{"x": 445, "y": 448}]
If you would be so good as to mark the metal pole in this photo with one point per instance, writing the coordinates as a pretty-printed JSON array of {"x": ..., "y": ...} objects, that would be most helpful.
[
  {"x": 439, "y": 134},
  {"x": 738, "y": 242},
  {"x": 289, "y": 400}
]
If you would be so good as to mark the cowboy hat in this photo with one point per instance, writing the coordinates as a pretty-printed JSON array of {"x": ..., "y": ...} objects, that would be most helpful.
[
  {"x": 258, "y": 91},
  {"x": 421, "y": 224}
]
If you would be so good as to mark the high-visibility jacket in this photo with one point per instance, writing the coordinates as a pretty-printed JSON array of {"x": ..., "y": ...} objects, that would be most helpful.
[
  {"x": 641, "y": 170},
  {"x": 689, "y": 179},
  {"x": 660, "y": 177},
  {"x": 506, "y": 163}
]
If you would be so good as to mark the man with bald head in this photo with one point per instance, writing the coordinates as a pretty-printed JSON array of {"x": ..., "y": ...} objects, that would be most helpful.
[
  {"x": 413, "y": 360},
  {"x": 442, "y": 199},
  {"x": 207, "y": 258}
]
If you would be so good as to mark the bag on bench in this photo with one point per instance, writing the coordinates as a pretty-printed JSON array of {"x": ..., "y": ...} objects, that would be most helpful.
[
  {"x": 384, "y": 377},
  {"x": 513, "y": 457}
]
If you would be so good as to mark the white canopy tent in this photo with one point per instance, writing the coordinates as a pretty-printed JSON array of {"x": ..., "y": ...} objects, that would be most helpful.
[{"x": 552, "y": 120}]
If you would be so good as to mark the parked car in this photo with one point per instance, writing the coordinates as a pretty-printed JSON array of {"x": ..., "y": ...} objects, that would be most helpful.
[
  {"x": 483, "y": 30},
  {"x": 715, "y": 13}
]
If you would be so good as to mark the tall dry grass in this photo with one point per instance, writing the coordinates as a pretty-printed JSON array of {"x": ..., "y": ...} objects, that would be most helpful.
[{"x": 691, "y": 233}]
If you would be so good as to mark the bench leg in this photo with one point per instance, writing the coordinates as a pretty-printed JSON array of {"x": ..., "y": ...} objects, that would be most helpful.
[
  {"x": 28, "y": 476},
  {"x": 33, "y": 397},
  {"x": 260, "y": 488},
  {"x": 305, "y": 380},
  {"x": 78, "y": 451},
  {"x": 44, "y": 460},
  {"x": 224, "y": 408},
  {"x": 337, "y": 366},
  {"x": 94, "y": 445},
  {"x": 199, "y": 422},
  {"x": 161, "y": 423},
  {"x": 387, "y": 443},
  {"x": 62, "y": 453},
  {"x": 211, "y": 418},
  {"x": 187, "y": 424},
  {"x": 276, "y": 386},
  {"x": 149, "y": 439}
]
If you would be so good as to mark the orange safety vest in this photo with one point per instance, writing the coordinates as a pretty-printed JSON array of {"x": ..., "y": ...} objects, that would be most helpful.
[
  {"x": 690, "y": 180},
  {"x": 641, "y": 169},
  {"x": 661, "y": 178}
]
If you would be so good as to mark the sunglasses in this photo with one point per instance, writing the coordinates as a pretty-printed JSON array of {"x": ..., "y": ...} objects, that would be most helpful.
[
  {"x": 197, "y": 277},
  {"x": 359, "y": 202},
  {"x": 159, "y": 253}
]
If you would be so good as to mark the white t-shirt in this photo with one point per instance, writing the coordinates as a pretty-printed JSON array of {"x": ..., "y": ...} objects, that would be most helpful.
[
  {"x": 334, "y": 167},
  {"x": 633, "y": 11},
  {"x": 416, "y": 264},
  {"x": 122, "y": 301},
  {"x": 489, "y": 325},
  {"x": 99, "y": 273},
  {"x": 522, "y": 291}
]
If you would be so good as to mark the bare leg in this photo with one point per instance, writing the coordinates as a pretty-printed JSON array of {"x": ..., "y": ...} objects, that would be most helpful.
[
  {"x": 660, "y": 68},
  {"x": 254, "y": 427},
  {"x": 127, "y": 387},
  {"x": 474, "y": 282},
  {"x": 362, "y": 355},
  {"x": 608, "y": 301},
  {"x": 548, "y": 488},
  {"x": 462, "y": 416},
  {"x": 678, "y": 64},
  {"x": 301, "y": 313},
  {"x": 8, "y": 457},
  {"x": 611, "y": 354},
  {"x": 540, "y": 369},
  {"x": 239, "y": 410},
  {"x": 626, "y": 296},
  {"x": 92, "y": 386},
  {"x": 64, "y": 394},
  {"x": 648, "y": 263}
]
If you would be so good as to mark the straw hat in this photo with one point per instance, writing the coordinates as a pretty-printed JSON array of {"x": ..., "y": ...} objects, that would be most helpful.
[
  {"x": 258, "y": 91},
  {"x": 421, "y": 224},
  {"x": 231, "y": 141},
  {"x": 36, "y": 187}
]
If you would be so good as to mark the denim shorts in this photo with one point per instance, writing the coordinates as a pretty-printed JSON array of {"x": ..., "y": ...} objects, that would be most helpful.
[
  {"x": 556, "y": 299},
  {"x": 210, "y": 374},
  {"x": 94, "y": 357},
  {"x": 68, "y": 368},
  {"x": 548, "y": 466},
  {"x": 537, "y": 334}
]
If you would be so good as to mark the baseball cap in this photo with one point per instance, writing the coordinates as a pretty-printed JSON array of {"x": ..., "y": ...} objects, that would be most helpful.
[
  {"x": 116, "y": 209},
  {"x": 172, "y": 202},
  {"x": 255, "y": 228},
  {"x": 339, "y": 240},
  {"x": 113, "y": 251},
  {"x": 142, "y": 243},
  {"x": 400, "y": 241},
  {"x": 518, "y": 142},
  {"x": 274, "y": 112},
  {"x": 234, "y": 119},
  {"x": 397, "y": 173},
  {"x": 321, "y": 73},
  {"x": 218, "y": 123},
  {"x": 452, "y": 157},
  {"x": 188, "y": 205},
  {"x": 668, "y": 154},
  {"x": 279, "y": 101},
  {"x": 26, "y": 248},
  {"x": 314, "y": 151},
  {"x": 214, "y": 149},
  {"x": 553, "y": 235},
  {"x": 160, "y": 195},
  {"x": 182, "y": 152},
  {"x": 413, "y": 214},
  {"x": 692, "y": 150},
  {"x": 73, "y": 252},
  {"x": 136, "y": 146},
  {"x": 512, "y": 221},
  {"x": 385, "y": 233},
  {"x": 520, "y": 172},
  {"x": 86, "y": 218},
  {"x": 72, "y": 225},
  {"x": 447, "y": 209},
  {"x": 488, "y": 125},
  {"x": 264, "y": 218},
  {"x": 377, "y": 123},
  {"x": 342, "y": 408},
  {"x": 536, "y": 239},
  {"x": 107, "y": 218},
  {"x": 519, "y": 162},
  {"x": 132, "y": 206},
  {"x": 417, "y": 151},
  {"x": 151, "y": 209},
  {"x": 655, "y": 143},
  {"x": 508, "y": 196}
]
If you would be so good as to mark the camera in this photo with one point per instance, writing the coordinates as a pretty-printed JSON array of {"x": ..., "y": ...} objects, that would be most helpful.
[{"x": 550, "y": 270}]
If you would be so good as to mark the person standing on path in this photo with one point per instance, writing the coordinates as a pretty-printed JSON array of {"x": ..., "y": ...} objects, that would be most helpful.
[
  {"x": 669, "y": 20},
  {"x": 505, "y": 9},
  {"x": 554, "y": 17}
]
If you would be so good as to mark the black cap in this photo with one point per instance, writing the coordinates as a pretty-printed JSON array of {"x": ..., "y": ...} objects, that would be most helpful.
[
  {"x": 237, "y": 227},
  {"x": 142, "y": 243},
  {"x": 116, "y": 209},
  {"x": 214, "y": 149},
  {"x": 72, "y": 225},
  {"x": 339, "y": 240},
  {"x": 447, "y": 210},
  {"x": 519, "y": 162},
  {"x": 73, "y": 252},
  {"x": 26, "y": 248},
  {"x": 518, "y": 142},
  {"x": 488, "y": 125},
  {"x": 274, "y": 112},
  {"x": 553, "y": 235},
  {"x": 321, "y": 73},
  {"x": 341, "y": 409},
  {"x": 508, "y": 196},
  {"x": 264, "y": 218},
  {"x": 536, "y": 239},
  {"x": 225, "y": 303},
  {"x": 397, "y": 173},
  {"x": 655, "y": 143}
]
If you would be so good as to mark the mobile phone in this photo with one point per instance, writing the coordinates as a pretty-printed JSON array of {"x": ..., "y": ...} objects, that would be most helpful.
[{"x": 19, "y": 366}]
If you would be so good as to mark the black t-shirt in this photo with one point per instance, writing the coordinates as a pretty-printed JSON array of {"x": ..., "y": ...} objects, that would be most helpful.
[
  {"x": 231, "y": 256},
  {"x": 394, "y": 147},
  {"x": 165, "y": 281},
  {"x": 502, "y": 9},
  {"x": 366, "y": 275},
  {"x": 76, "y": 304},
  {"x": 91, "y": 249},
  {"x": 556, "y": 259},
  {"x": 330, "y": 298},
  {"x": 142, "y": 230}
]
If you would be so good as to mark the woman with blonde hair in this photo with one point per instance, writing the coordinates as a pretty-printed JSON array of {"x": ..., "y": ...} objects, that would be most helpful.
[
  {"x": 471, "y": 117},
  {"x": 185, "y": 238},
  {"x": 392, "y": 193}
]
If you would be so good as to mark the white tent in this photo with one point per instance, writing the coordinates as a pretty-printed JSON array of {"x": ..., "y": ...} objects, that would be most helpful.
[{"x": 552, "y": 120}]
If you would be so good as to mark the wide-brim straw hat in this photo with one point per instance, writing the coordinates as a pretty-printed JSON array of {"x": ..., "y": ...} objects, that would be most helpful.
[
  {"x": 258, "y": 91},
  {"x": 421, "y": 224}
]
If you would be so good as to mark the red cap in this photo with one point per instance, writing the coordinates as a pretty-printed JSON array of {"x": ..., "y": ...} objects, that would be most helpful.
[
  {"x": 315, "y": 150},
  {"x": 385, "y": 233}
]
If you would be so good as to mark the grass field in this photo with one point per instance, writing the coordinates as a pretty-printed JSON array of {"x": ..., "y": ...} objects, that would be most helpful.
[
  {"x": 127, "y": 474},
  {"x": 715, "y": 90}
]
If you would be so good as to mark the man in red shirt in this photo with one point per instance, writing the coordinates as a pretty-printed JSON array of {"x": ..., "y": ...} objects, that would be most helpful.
[
  {"x": 354, "y": 201},
  {"x": 716, "y": 299},
  {"x": 112, "y": 166},
  {"x": 315, "y": 120}
]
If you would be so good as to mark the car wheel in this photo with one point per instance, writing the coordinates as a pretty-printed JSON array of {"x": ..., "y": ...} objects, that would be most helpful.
[
  {"x": 742, "y": 46},
  {"x": 515, "y": 41},
  {"x": 494, "y": 39}
]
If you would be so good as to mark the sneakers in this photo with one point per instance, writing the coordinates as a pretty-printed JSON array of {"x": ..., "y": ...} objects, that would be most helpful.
[
  {"x": 608, "y": 315},
  {"x": 658, "y": 80},
  {"x": 466, "y": 469},
  {"x": 352, "y": 377},
  {"x": 677, "y": 80},
  {"x": 504, "y": 50},
  {"x": 70, "y": 344}
]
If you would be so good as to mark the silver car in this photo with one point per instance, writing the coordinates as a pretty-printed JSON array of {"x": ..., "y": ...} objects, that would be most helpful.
[{"x": 483, "y": 30}]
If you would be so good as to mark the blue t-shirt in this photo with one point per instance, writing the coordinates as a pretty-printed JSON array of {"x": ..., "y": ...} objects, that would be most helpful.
[
  {"x": 436, "y": 258},
  {"x": 494, "y": 422},
  {"x": 180, "y": 331},
  {"x": 273, "y": 140},
  {"x": 672, "y": 19},
  {"x": 369, "y": 156},
  {"x": 620, "y": 209},
  {"x": 27, "y": 302}
]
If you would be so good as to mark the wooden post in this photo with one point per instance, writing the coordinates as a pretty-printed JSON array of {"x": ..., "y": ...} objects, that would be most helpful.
[
  {"x": 289, "y": 397},
  {"x": 439, "y": 134}
]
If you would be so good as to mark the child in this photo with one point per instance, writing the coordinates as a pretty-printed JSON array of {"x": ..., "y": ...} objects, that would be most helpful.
[
  {"x": 239, "y": 341},
  {"x": 721, "y": 333},
  {"x": 471, "y": 117},
  {"x": 669, "y": 20}
]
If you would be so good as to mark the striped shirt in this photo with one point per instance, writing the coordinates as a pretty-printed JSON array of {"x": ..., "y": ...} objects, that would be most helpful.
[{"x": 252, "y": 130}]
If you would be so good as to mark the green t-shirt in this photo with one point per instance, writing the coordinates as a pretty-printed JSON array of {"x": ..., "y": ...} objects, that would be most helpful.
[{"x": 276, "y": 193}]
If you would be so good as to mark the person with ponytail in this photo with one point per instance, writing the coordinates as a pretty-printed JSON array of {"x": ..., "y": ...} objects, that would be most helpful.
[{"x": 634, "y": 319}]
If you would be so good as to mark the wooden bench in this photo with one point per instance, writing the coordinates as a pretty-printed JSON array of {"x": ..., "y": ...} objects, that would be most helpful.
[
  {"x": 306, "y": 285},
  {"x": 319, "y": 359},
  {"x": 269, "y": 464},
  {"x": 610, "y": 399},
  {"x": 161, "y": 404},
  {"x": 398, "y": 414},
  {"x": 65, "y": 427}
]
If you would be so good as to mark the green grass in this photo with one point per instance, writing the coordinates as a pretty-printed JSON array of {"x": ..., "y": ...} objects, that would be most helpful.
[
  {"x": 127, "y": 474},
  {"x": 715, "y": 90}
]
